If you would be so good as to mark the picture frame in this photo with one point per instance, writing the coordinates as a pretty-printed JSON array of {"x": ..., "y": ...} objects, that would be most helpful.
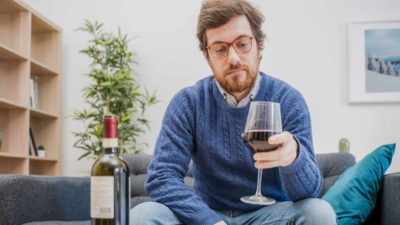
[{"x": 374, "y": 61}]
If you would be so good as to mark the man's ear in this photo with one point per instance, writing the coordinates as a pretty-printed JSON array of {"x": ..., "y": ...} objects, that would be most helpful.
[
  {"x": 205, "y": 53},
  {"x": 260, "y": 52}
]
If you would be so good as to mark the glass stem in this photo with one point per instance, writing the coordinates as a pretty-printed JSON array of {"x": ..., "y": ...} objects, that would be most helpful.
[{"x": 259, "y": 180}]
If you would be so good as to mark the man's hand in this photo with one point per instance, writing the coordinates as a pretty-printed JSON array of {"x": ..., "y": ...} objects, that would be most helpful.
[
  {"x": 220, "y": 223},
  {"x": 284, "y": 155}
]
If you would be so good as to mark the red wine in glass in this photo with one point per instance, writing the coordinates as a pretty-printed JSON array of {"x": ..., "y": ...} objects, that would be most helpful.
[{"x": 258, "y": 140}]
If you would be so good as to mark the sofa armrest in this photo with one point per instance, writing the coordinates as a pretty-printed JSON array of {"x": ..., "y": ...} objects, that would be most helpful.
[
  {"x": 390, "y": 198},
  {"x": 43, "y": 198}
]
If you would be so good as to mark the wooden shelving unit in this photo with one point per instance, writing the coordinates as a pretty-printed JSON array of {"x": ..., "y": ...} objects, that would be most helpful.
[{"x": 30, "y": 46}]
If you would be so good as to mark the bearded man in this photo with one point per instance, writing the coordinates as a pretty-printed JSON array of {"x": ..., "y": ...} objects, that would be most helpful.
[{"x": 204, "y": 123}]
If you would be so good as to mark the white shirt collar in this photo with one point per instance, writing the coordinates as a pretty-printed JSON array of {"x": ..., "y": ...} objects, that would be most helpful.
[{"x": 232, "y": 101}]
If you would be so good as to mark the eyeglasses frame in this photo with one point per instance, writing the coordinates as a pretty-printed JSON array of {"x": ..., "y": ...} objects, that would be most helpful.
[{"x": 229, "y": 46}]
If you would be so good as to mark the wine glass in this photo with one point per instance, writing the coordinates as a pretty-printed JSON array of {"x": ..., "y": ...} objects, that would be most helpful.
[{"x": 263, "y": 121}]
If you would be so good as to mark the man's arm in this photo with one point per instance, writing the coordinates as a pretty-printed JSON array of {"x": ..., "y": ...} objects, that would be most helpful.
[{"x": 170, "y": 164}]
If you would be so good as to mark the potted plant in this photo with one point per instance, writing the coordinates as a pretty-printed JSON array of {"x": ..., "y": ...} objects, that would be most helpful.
[
  {"x": 113, "y": 89},
  {"x": 41, "y": 151}
]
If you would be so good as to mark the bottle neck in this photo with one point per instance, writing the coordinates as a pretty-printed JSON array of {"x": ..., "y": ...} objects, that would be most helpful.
[
  {"x": 114, "y": 150},
  {"x": 110, "y": 146}
]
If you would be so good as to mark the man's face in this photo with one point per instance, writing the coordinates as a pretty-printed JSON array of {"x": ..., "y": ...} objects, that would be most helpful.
[{"x": 236, "y": 72}]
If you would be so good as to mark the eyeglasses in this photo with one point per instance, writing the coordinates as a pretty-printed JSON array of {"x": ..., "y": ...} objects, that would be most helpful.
[{"x": 241, "y": 45}]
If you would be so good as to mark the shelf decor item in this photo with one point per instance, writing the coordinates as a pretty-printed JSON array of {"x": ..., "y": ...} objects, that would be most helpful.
[
  {"x": 41, "y": 151},
  {"x": 344, "y": 145},
  {"x": 112, "y": 86}
]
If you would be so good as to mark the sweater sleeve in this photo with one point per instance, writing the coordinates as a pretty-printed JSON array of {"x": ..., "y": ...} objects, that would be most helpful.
[
  {"x": 301, "y": 179},
  {"x": 170, "y": 162}
]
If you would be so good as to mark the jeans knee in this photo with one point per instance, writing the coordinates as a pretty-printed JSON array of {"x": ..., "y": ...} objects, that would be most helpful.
[
  {"x": 317, "y": 211},
  {"x": 151, "y": 213}
]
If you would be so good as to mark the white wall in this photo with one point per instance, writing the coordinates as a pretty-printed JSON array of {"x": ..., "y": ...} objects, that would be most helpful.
[{"x": 306, "y": 47}]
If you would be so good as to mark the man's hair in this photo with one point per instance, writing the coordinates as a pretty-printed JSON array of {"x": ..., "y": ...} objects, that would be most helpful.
[{"x": 215, "y": 13}]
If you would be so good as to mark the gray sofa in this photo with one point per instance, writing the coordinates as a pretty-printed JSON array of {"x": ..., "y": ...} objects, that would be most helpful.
[{"x": 45, "y": 200}]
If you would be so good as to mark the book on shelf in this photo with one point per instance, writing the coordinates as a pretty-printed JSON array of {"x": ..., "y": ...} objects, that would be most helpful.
[
  {"x": 31, "y": 149},
  {"x": 31, "y": 95},
  {"x": 32, "y": 144},
  {"x": 34, "y": 92}
]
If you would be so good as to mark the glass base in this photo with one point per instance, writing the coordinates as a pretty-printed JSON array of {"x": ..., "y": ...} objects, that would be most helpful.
[{"x": 257, "y": 200}]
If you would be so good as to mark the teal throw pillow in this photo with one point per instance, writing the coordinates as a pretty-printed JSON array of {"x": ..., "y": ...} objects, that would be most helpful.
[{"x": 353, "y": 196}]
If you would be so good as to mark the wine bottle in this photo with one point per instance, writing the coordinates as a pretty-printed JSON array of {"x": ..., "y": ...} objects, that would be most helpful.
[{"x": 110, "y": 182}]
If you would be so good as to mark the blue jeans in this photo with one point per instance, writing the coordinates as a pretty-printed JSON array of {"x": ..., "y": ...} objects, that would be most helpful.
[{"x": 310, "y": 211}]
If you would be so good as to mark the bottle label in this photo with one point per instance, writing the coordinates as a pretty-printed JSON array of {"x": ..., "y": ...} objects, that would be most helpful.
[
  {"x": 110, "y": 142},
  {"x": 102, "y": 197}
]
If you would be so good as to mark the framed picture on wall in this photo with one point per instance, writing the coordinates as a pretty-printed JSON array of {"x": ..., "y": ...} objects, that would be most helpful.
[{"x": 374, "y": 61}]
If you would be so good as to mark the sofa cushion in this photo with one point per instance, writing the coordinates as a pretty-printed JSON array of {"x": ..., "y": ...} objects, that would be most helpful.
[{"x": 354, "y": 195}]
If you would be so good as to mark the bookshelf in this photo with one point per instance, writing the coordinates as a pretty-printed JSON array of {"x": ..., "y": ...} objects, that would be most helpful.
[{"x": 30, "y": 47}]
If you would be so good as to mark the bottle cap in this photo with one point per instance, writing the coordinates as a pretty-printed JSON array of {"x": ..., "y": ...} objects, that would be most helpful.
[{"x": 110, "y": 129}]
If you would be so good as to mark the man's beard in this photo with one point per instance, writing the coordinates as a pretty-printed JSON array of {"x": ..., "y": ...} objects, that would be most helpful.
[{"x": 233, "y": 84}]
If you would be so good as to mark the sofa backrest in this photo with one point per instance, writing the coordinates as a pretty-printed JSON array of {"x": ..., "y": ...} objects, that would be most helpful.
[
  {"x": 27, "y": 198},
  {"x": 331, "y": 166}
]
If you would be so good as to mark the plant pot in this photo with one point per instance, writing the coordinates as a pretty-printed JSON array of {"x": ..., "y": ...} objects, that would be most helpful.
[{"x": 41, "y": 153}]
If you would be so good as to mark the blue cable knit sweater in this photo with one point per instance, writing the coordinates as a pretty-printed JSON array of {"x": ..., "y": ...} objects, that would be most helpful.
[{"x": 201, "y": 126}]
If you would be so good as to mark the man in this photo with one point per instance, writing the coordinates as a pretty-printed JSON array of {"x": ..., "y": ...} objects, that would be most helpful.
[{"x": 204, "y": 123}]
